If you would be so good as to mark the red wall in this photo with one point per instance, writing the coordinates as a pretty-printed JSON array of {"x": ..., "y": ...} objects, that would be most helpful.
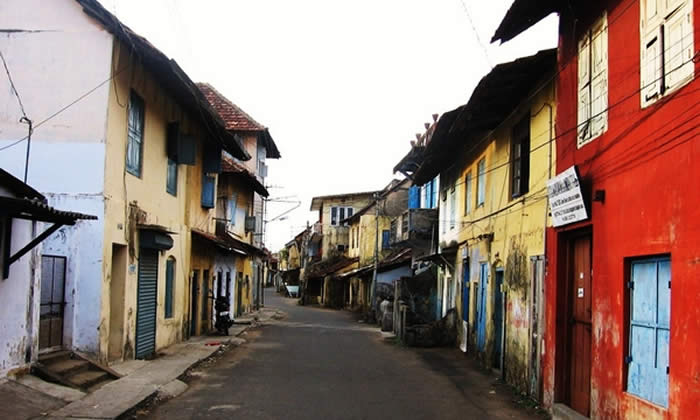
[{"x": 648, "y": 163}]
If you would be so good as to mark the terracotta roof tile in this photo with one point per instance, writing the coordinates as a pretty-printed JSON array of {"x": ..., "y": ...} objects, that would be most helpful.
[{"x": 234, "y": 117}]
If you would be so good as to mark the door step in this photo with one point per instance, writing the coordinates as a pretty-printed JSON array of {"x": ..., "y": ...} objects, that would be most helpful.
[{"x": 73, "y": 370}]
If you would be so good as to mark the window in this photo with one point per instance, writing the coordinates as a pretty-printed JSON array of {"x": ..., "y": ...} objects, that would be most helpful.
[
  {"x": 208, "y": 190},
  {"x": 232, "y": 204},
  {"x": 169, "y": 286},
  {"x": 593, "y": 82},
  {"x": 171, "y": 181},
  {"x": 666, "y": 29},
  {"x": 340, "y": 213},
  {"x": 468, "y": 193},
  {"x": 386, "y": 239},
  {"x": 228, "y": 284},
  {"x": 481, "y": 182},
  {"x": 520, "y": 158},
  {"x": 134, "y": 142},
  {"x": 649, "y": 329},
  {"x": 453, "y": 207}
]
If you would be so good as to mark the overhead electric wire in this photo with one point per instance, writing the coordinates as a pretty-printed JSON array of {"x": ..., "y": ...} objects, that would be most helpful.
[{"x": 476, "y": 33}]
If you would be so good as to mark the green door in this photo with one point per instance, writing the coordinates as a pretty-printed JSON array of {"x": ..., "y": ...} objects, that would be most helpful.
[{"x": 146, "y": 303}]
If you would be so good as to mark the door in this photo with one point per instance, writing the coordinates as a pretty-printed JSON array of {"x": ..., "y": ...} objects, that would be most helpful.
[
  {"x": 580, "y": 322},
  {"x": 117, "y": 287},
  {"x": 194, "y": 299},
  {"x": 498, "y": 319},
  {"x": 536, "y": 325},
  {"x": 146, "y": 303},
  {"x": 481, "y": 307},
  {"x": 53, "y": 284},
  {"x": 465, "y": 304},
  {"x": 239, "y": 294},
  {"x": 206, "y": 313}
]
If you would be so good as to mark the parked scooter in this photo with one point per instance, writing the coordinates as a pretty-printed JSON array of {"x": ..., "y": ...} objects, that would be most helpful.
[{"x": 223, "y": 319}]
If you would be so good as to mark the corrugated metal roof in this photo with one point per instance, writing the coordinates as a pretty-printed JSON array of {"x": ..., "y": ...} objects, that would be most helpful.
[{"x": 35, "y": 209}]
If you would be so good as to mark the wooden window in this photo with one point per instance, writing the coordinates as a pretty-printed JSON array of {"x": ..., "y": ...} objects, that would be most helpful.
[
  {"x": 649, "y": 329},
  {"x": 171, "y": 179},
  {"x": 334, "y": 216},
  {"x": 208, "y": 190},
  {"x": 169, "y": 286},
  {"x": 481, "y": 182},
  {"x": 520, "y": 158},
  {"x": 593, "y": 82},
  {"x": 134, "y": 144},
  {"x": 386, "y": 239},
  {"x": 667, "y": 47},
  {"x": 232, "y": 204},
  {"x": 468, "y": 193}
]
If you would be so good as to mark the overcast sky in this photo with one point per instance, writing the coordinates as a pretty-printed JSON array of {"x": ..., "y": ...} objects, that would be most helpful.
[{"x": 344, "y": 86}]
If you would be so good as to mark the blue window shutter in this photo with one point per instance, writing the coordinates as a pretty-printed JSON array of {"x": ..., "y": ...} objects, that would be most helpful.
[
  {"x": 180, "y": 147},
  {"x": 134, "y": 146},
  {"x": 648, "y": 359},
  {"x": 208, "y": 191},
  {"x": 386, "y": 237},
  {"x": 171, "y": 177},
  {"x": 169, "y": 280},
  {"x": 414, "y": 197},
  {"x": 232, "y": 203}
]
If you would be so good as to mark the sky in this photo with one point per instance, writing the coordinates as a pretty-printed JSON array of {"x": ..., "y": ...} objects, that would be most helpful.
[{"x": 343, "y": 86}]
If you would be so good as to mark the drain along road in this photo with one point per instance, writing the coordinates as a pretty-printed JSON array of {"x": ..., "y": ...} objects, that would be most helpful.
[{"x": 322, "y": 364}]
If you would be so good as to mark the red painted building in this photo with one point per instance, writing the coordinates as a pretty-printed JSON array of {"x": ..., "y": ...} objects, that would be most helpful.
[{"x": 622, "y": 290}]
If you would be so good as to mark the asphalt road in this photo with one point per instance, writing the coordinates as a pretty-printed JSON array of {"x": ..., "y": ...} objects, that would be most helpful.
[{"x": 323, "y": 364}]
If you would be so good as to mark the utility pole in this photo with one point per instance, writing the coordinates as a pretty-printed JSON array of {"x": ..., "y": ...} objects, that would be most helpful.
[{"x": 373, "y": 288}]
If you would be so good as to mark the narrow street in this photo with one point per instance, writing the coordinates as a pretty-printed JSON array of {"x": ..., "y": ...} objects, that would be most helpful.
[{"x": 322, "y": 364}]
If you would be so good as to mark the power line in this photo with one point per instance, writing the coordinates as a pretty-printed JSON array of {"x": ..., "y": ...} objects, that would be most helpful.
[
  {"x": 476, "y": 33},
  {"x": 12, "y": 86}
]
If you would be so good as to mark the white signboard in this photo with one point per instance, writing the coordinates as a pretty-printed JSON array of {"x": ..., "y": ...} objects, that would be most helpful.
[{"x": 565, "y": 198}]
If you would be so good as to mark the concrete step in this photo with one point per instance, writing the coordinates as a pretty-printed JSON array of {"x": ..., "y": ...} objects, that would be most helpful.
[
  {"x": 88, "y": 378},
  {"x": 563, "y": 412},
  {"x": 68, "y": 366},
  {"x": 48, "y": 357}
]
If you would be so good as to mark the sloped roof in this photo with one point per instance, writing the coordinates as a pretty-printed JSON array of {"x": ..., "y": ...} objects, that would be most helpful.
[
  {"x": 170, "y": 76},
  {"x": 317, "y": 201},
  {"x": 493, "y": 100},
  {"x": 229, "y": 166},
  {"x": 236, "y": 119},
  {"x": 524, "y": 14}
]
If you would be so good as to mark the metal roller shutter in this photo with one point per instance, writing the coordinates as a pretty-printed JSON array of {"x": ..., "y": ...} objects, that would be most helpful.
[{"x": 147, "y": 302}]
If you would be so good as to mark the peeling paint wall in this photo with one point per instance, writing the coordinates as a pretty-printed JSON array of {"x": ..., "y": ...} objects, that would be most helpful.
[
  {"x": 51, "y": 40},
  {"x": 20, "y": 296},
  {"x": 504, "y": 232}
]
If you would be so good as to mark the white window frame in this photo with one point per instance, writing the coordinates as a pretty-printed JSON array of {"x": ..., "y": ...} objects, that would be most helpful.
[
  {"x": 348, "y": 211},
  {"x": 666, "y": 47},
  {"x": 481, "y": 182},
  {"x": 593, "y": 82},
  {"x": 453, "y": 207}
]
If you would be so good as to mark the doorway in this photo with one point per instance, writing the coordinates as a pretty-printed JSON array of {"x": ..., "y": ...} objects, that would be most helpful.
[
  {"x": 498, "y": 320},
  {"x": 536, "y": 326},
  {"x": 53, "y": 288},
  {"x": 194, "y": 298},
  {"x": 116, "y": 302},
  {"x": 146, "y": 303},
  {"x": 574, "y": 366},
  {"x": 481, "y": 307}
]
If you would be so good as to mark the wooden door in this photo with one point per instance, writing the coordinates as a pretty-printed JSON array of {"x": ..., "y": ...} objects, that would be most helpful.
[
  {"x": 580, "y": 322},
  {"x": 497, "y": 317},
  {"x": 481, "y": 308}
]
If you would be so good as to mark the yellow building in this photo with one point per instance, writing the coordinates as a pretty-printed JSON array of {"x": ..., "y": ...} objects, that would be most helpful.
[
  {"x": 499, "y": 151},
  {"x": 160, "y": 181}
]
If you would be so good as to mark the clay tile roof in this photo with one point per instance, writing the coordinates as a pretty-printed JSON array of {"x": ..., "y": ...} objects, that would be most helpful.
[{"x": 234, "y": 117}]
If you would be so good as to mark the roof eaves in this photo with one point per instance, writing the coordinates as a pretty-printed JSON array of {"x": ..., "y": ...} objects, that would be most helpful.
[{"x": 522, "y": 15}]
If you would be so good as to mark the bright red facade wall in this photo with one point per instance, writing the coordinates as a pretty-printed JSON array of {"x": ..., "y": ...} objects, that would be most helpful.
[{"x": 648, "y": 163}]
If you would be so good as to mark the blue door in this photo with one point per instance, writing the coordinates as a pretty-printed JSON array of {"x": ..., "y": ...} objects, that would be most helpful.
[
  {"x": 481, "y": 307},
  {"x": 650, "y": 309}
]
